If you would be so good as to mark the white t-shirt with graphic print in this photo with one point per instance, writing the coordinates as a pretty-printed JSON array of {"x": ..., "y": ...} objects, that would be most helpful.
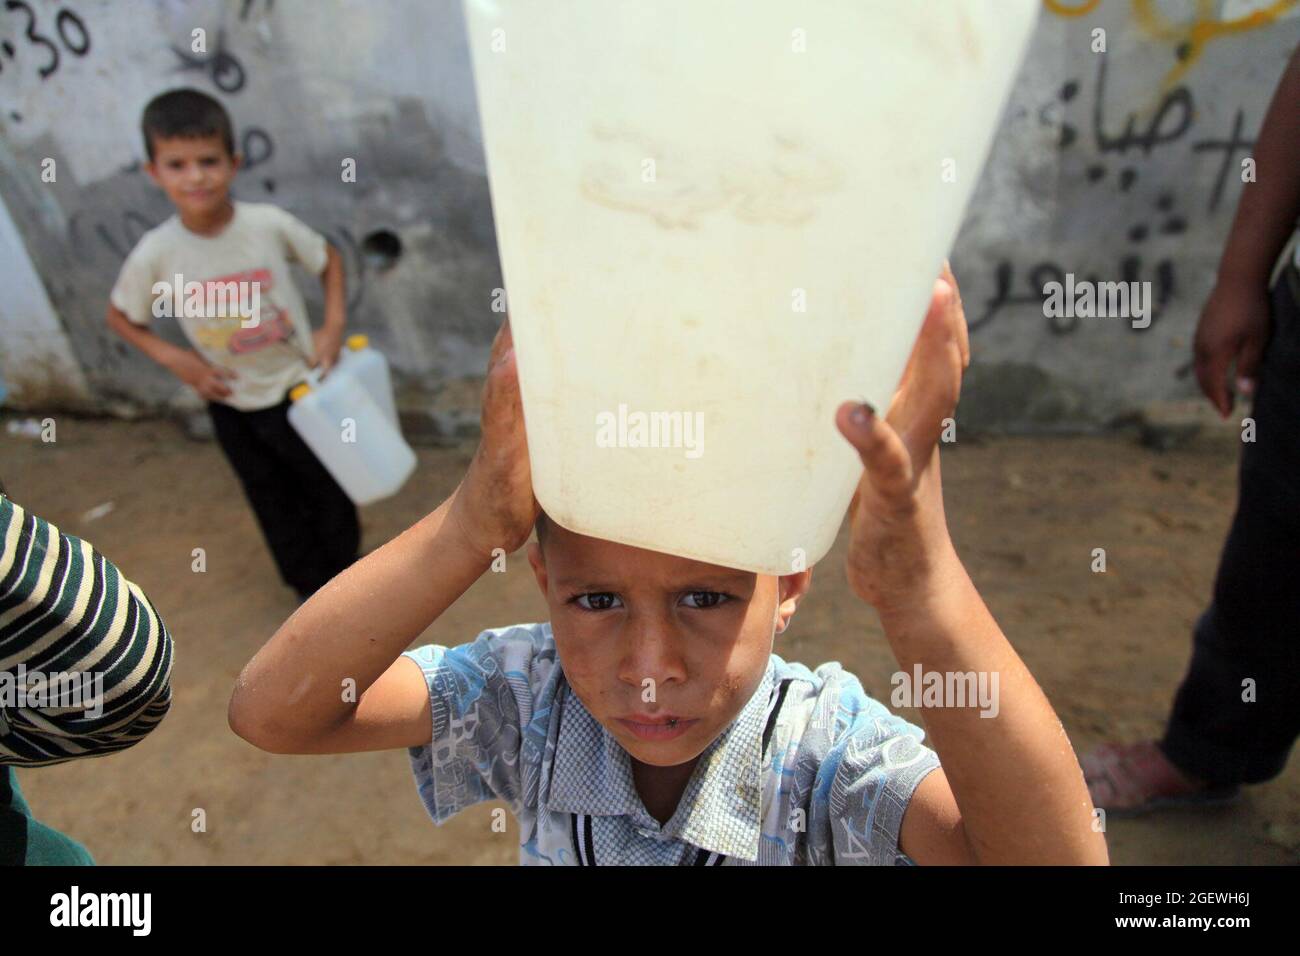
[{"x": 268, "y": 352}]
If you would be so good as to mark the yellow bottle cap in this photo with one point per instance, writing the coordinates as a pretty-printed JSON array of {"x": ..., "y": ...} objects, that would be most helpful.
[
  {"x": 298, "y": 391},
  {"x": 357, "y": 342}
]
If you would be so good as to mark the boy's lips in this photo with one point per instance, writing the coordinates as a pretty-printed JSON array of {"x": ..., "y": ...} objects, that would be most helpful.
[{"x": 658, "y": 726}]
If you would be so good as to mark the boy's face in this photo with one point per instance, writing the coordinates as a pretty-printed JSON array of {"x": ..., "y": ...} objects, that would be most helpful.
[
  {"x": 645, "y": 636},
  {"x": 194, "y": 171}
]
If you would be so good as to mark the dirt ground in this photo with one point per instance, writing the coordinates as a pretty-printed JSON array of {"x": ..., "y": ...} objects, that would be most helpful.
[{"x": 1109, "y": 649}]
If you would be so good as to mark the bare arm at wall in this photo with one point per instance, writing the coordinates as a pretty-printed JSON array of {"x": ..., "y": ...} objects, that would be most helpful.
[
  {"x": 328, "y": 339},
  {"x": 332, "y": 280},
  {"x": 1268, "y": 208},
  {"x": 1234, "y": 325},
  {"x": 185, "y": 364}
]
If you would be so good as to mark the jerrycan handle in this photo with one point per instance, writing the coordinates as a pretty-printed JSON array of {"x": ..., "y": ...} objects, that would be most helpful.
[{"x": 310, "y": 381}]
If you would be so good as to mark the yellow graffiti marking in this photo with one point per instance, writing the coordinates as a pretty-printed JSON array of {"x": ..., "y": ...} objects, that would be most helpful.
[
  {"x": 1203, "y": 30},
  {"x": 1195, "y": 36},
  {"x": 1065, "y": 10}
]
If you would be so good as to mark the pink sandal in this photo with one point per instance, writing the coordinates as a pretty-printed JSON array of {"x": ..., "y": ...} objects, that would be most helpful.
[{"x": 1131, "y": 779}]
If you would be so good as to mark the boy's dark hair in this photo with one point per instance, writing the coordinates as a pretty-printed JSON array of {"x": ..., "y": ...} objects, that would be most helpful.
[
  {"x": 540, "y": 527},
  {"x": 186, "y": 113}
]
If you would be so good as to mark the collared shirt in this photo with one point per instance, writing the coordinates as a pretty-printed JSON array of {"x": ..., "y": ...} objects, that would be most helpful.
[{"x": 812, "y": 771}]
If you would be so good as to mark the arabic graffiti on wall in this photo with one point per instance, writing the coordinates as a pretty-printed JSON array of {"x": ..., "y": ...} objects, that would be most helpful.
[
  {"x": 1114, "y": 148},
  {"x": 1191, "y": 36}
]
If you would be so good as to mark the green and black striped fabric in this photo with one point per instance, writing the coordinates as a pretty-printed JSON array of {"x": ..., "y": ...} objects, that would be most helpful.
[{"x": 68, "y": 615}]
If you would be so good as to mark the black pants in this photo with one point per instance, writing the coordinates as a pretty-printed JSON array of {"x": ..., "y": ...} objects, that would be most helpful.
[
  {"x": 308, "y": 521},
  {"x": 1251, "y": 630}
]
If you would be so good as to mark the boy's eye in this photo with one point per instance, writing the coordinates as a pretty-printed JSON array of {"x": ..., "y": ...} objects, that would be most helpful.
[
  {"x": 604, "y": 600},
  {"x": 601, "y": 599},
  {"x": 707, "y": 599}
]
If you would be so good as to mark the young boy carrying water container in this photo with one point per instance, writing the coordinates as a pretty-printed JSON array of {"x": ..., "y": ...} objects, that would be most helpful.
[
  {"x": 220, "y": 267},
  {"x": 735, "y": 756}
]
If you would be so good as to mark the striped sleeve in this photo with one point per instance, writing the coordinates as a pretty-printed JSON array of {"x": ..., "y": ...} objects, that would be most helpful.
[{"x": 85, "y": 660}]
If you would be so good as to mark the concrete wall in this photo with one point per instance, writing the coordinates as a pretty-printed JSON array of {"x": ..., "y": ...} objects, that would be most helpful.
[
  {"x": 1122, "y": 165},
  {"x": 36, "y": 354},
  {"x": 308, "y": 83}
]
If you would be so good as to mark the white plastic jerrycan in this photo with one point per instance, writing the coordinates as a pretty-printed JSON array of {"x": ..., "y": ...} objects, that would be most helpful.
[
  {"x": 354, "y": 438},
  {"x": 717, "y": 221},
  {"x": 371, "y": 370}
]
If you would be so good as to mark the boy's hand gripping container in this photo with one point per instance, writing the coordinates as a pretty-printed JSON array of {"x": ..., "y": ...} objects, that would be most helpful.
[
  {"x": 718, "y": 221},
  {"x": 349, "y": 420}
]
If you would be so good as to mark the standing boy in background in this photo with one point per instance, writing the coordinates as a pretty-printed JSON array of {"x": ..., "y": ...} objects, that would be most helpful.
[{"x": 242, "y": 363}]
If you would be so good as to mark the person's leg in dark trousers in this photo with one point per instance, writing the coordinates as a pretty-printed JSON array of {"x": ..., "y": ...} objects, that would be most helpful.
[
  {"x": 308, "y": 521},
  {"x": 1251, "y": 630},
  {"x": 325, "y": 505}
]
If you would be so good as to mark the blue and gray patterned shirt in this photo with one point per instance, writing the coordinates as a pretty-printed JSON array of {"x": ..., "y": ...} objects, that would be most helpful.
[{"x": 812, "y": 771}]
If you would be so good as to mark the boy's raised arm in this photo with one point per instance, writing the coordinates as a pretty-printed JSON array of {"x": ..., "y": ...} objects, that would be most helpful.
[
  {"x": 1010, "y": 789},
  {"x": 291, "y": 697}
]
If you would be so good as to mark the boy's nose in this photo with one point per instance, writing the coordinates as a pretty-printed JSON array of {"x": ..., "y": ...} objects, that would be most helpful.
[{"x": 652, "y": 651}]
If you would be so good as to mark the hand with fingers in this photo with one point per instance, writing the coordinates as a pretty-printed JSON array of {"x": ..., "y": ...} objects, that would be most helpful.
[
  {"x": 327, "y": 343},
  {"x": 208, "y": 380},
  {"x": 899, "y": 546},
  {"x": 1233, "y": 330},
  {"x": 494, "y": 503}
]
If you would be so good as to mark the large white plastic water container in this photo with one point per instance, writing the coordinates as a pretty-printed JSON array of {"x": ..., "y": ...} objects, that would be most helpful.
[
  {"x": 731, "y": 210},
  {"x": 350, "y": 433},
  {"x": 371, "y": 370}
]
